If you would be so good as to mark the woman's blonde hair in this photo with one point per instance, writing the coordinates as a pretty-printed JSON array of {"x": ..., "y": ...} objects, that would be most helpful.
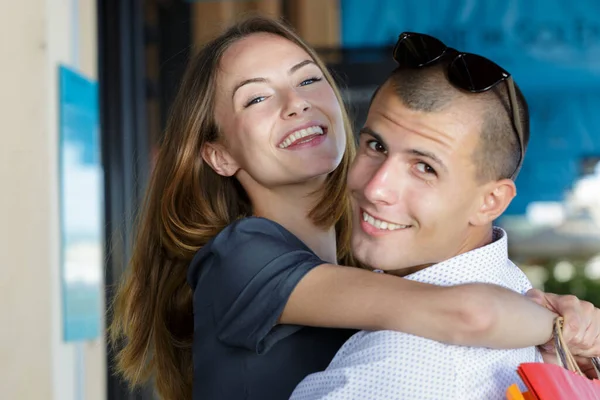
[{"x": 186, "y": 205}]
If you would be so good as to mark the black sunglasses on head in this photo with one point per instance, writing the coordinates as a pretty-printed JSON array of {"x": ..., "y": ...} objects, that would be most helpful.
[{"x": 470, "y": 72}]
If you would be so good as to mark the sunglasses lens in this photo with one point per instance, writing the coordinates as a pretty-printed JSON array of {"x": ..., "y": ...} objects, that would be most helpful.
[
  {"x": 475, "y": 73},
  {"x": 416, "y": 50}
]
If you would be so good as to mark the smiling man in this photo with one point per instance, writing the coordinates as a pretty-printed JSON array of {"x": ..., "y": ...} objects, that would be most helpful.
[{"x": 443, "y": 142}]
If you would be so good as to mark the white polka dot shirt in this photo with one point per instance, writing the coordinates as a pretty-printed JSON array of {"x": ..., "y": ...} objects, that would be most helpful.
[{"x": 392, "y": 365}]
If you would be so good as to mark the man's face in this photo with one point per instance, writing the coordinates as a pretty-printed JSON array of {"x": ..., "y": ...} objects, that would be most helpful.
[{"x": 413, "y": 184}]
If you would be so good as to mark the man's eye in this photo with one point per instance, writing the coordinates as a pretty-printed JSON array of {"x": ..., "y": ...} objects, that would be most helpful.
[
  {"x": 425, "y": 168},
  {"x": 376, "y": 146}
]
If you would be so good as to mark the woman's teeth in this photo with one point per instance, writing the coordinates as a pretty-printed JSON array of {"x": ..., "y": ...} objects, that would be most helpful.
[
  {"x": 295, "y": 136},
  {"x": 383, "y": 225}
]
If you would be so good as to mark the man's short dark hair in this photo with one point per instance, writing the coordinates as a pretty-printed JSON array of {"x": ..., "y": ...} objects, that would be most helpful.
[{"x": 428, "y": 89}]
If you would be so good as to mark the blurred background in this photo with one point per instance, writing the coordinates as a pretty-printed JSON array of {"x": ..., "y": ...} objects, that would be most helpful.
[{"x": 85, "y": 87}]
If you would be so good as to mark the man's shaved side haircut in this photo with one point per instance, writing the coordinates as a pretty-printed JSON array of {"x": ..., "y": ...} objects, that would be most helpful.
[{"x": 428, "y": 89}]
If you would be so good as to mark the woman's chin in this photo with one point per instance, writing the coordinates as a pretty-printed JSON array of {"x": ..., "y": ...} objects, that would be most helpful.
[
  {"x": 313, "y": 180},
  {"x": 322, "y": 170}
]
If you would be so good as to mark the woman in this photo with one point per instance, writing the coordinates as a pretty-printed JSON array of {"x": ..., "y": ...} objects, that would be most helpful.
[{"x": 249, "y": 193}]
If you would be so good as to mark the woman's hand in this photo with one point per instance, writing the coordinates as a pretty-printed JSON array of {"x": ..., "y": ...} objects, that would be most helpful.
[{"x": 582, "y": 322}]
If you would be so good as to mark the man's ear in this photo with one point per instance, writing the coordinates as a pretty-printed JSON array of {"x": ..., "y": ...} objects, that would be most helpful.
[
  {"x": 219, "y": 159},
  {"x": 495, "y": 198}
]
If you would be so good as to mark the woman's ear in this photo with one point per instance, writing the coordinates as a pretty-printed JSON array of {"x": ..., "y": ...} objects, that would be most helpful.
[{"x": 219, "y": 159}]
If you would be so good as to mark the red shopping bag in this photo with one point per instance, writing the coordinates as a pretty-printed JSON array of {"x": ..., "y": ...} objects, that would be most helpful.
[{"x": 553, "y": 382}]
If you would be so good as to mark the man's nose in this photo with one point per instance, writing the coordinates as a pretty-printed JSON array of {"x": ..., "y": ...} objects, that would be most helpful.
[
  {"x": 295, "y": 105},
  {"x": 384, "y": 185}
]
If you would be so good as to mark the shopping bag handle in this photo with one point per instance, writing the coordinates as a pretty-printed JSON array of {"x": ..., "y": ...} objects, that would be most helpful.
[
  {"x": 564, "y": 354},
  {"x": 596, "y": 364}
]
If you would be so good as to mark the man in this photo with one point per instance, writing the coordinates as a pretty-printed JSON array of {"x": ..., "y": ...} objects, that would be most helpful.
[{"x": 443, "y": 142}]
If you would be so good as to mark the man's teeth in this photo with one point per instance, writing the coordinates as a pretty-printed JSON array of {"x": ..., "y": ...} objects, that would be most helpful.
[
  {"x": 383, "y": 225},
  {"x": 313, "y": 130}
]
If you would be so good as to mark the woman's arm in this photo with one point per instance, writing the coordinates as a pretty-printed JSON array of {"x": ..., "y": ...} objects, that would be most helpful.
[{"x": 472, "y": 314}]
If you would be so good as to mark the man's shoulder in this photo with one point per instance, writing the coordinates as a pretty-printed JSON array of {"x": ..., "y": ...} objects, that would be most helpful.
[
  {"x": 518, "y": 277},
  {"x": 488, "y": 264},
  {"x": 376, "y": 346},
  {"x": 474, "y": 369},
  {"x": 385, "y": 364}
]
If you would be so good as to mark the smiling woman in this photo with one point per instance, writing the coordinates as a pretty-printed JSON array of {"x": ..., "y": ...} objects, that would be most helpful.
[
  {"x": 268, "y": 100},
  {"x": 246, "y": 218}
]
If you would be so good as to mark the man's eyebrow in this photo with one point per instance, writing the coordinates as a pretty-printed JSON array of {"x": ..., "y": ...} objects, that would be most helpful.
[
  {"x": 427, "y": 154},
  {"x": 262, "y": 80},
  {"x": 414, "y": 152},
  {"x": 368, "y": 131}
]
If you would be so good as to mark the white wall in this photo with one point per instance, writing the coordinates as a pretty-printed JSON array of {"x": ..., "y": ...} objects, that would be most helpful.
[{"x": 35, "y": 36}]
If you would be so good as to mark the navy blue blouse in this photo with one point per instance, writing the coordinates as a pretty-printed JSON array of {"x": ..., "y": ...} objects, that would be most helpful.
[{"x": 241, "y": 281}]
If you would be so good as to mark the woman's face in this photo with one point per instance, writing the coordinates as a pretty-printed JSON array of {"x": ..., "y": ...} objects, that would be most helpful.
[{"x": 280, "y": 118}]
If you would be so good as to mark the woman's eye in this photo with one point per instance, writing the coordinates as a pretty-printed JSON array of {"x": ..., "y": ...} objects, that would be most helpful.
[
  {"x": 310, "y": 81},
  {"x": 255, "y": 100},
  {"x": 425, "y": 168},
  {"x": 376, "y": 146}
]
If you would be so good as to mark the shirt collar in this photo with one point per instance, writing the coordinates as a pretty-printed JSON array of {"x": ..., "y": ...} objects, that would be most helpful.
[{"x": 474, "y": 265}]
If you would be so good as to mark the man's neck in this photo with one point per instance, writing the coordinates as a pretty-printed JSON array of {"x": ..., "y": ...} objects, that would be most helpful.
[{"x": 477, "y": 238}]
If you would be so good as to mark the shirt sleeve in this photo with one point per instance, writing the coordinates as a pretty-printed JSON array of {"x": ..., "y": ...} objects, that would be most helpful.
[{"x": 249, "y": 271}]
